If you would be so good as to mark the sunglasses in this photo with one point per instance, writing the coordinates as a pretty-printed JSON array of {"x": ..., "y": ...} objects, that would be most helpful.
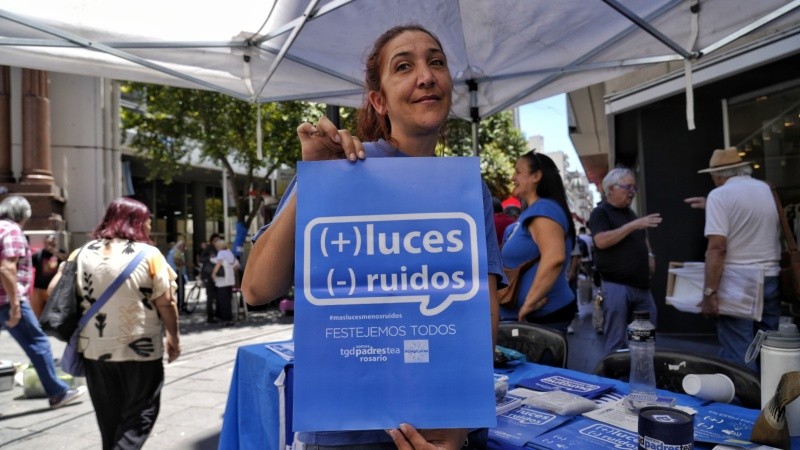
[{"x": 628, "y": 187}]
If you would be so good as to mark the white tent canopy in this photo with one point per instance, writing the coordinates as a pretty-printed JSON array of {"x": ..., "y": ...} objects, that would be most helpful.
[{"x": 511, "y": 52}]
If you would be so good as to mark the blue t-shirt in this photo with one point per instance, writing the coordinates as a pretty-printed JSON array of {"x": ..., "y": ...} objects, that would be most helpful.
[
  {"x": 519, "y": 247},
  {"x": 381, "y": 149}
]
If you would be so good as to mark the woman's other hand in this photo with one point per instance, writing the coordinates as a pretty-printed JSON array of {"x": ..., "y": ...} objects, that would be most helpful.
[
  {"x": 406, "y": 437},
  {"x": 168, "y": 311},
  {"x": 530, "y": 306},
  {"x": 173, "y": 348},
  {"x": 323, "y": 142}
]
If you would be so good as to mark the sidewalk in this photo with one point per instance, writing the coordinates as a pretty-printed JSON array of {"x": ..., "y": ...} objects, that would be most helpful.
[{"x": 192, "y": 401}]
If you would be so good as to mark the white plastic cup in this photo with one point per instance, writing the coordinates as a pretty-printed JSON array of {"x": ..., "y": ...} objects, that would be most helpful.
[{"x": 715, "y": 387}]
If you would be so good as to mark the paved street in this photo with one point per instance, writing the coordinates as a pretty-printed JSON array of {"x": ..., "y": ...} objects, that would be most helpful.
[{"x": 192, "y": 402}]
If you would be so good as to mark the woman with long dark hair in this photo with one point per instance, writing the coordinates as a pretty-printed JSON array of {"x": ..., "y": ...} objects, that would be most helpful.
[
  {"x": 123, "y": 343},
  {"x": 544, "y": 229}
]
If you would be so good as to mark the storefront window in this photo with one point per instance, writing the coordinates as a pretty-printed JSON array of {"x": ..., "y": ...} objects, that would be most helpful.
[{"x": 766, "y": 127}]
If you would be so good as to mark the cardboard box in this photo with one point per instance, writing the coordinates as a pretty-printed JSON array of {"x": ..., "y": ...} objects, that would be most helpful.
[{"x": 6, "y": 375}]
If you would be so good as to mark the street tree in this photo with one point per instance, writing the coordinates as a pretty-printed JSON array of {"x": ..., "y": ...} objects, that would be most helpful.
[
  {"x": 173, "y": 128},
  {"x": 500, "y": 145}
]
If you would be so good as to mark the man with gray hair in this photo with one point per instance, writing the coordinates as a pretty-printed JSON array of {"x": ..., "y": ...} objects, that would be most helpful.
[
  {"x": 743, "y": 228},
  {"x": 623, "y": 256},
  {"x": 16, "y": 314}
]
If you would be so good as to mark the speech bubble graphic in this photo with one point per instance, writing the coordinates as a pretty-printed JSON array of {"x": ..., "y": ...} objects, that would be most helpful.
[{"x": 426, "y": 258}]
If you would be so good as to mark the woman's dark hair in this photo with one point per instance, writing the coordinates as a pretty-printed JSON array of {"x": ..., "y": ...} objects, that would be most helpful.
[
  {"x": 371, "y": 125},
  {"x": 551, "y": 186},
  {"x": 125, "y": 219}
]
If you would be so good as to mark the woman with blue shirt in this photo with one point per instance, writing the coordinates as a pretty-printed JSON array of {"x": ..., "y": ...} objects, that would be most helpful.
[
  {"x": 545, "y": 230},
  {"x": 407, "y": 101}
]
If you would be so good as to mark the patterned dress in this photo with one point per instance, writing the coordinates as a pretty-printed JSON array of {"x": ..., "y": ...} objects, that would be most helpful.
[{"x": 127, "y": 327}]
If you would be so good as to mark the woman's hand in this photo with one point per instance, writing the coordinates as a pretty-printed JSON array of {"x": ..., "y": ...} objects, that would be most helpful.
[
  {"x": 14, "y": 315},
  {"x": 173, "y": 348},
  {"x": 530, "y": 306},
  {"x": 406, "y": 437},
  {"x": 323, "y": 142}
]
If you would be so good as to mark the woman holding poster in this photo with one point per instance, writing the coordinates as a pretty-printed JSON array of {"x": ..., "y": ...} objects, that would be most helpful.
[
  {"x": 545, "y": 230},
  {"x": 407, "y": 100}
]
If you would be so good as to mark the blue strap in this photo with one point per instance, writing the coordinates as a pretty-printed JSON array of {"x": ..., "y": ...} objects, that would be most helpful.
[{"x": 110, "y": 290}]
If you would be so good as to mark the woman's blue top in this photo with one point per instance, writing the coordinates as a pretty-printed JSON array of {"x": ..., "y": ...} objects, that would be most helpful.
[{"x": 519, "y": 247}]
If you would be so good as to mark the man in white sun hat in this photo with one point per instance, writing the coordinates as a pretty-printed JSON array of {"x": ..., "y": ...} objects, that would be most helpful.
[{"x": 742, "y": 228}]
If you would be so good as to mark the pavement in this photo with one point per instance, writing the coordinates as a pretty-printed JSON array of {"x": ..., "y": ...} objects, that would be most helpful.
[
  {"x": 196, "y": 385},
  {"x": 192, "y": 401}
]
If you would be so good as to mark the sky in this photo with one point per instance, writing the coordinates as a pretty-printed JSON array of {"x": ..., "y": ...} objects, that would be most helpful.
[{"x": 548, "y": 118}]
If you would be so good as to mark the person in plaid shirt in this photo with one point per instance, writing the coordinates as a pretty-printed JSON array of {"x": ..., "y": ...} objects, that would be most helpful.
[{"x": 16, "y": 314}]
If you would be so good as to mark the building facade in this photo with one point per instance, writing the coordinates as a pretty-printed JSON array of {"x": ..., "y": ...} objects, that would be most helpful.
[
  {"x": 60, "y": 147},
  {"x": 749, "y": 98}
]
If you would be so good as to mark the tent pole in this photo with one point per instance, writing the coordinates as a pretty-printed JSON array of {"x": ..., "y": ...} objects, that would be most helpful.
[
  {"x": 474, "y": 114},
  {"x": 332, "y": 111},
  {"x": 649, "y": 29}
]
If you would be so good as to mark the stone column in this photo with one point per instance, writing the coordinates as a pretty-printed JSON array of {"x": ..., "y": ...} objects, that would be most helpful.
[
  {"x": 6, "y": 176},
  {"x": 37, "y": 183},
  {"x": 36, "y": 128}
]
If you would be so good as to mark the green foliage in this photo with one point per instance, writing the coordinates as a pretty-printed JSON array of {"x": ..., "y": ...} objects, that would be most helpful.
[
  {"x": 214, "y": 209},
  {"x": 500, "y": 145},
  {"x": 175, "y": 128}
]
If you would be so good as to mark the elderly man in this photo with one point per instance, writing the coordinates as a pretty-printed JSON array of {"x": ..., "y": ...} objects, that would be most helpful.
[
  {"x": 743, "y": 228},
  {"x": 623, "y": 256},
  {"x": 15, "y": 312}
]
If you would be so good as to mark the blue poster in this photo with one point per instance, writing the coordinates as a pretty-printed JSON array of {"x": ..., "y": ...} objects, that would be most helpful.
[
  {"x": 721, "y": 423},
  {"x": 586, "y": 433},
  {"x": 392, "y": 319},
  {"x": 556, "y": 381},
  {"x": 522, "y": 425}
]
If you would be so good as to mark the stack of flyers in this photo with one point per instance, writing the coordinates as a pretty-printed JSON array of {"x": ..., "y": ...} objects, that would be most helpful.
[
  {"x": 509, "y": 402},
  {"x": 555, "y": 381},
  {"x": 725, "y": 424},
  {"x": 284, "y": 349},
  {"x": 586, "y": 433},
  {"x": 523, "y": 424}
]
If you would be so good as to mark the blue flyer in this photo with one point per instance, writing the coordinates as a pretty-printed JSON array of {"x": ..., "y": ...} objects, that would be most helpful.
[
  {"x": 586, "y": 433},
  {"x": 561, "y": 382},
  {"x": 392, "y": 318},
  {"x": 521, "y": 425},
  {"x": 725, "y": 424}
]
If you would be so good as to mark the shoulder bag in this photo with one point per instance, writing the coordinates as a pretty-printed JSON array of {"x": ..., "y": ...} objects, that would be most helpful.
[
  {"x": 507, "y": 296},
  {"x": 60, "y": 314},
  {"x": 790, "y": 258},
  {"x": 72, "y": 360}
]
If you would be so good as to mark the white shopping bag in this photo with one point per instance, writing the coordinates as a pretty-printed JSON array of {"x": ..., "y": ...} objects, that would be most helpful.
[{"x": 740, "y": 293}]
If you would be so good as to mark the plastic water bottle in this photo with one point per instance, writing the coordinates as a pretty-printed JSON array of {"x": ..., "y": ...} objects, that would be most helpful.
[{"x": 642, "y": 345}]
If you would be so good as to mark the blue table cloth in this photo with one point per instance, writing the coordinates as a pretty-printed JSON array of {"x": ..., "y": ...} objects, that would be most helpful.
[{"x": 259, "y": 400}]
